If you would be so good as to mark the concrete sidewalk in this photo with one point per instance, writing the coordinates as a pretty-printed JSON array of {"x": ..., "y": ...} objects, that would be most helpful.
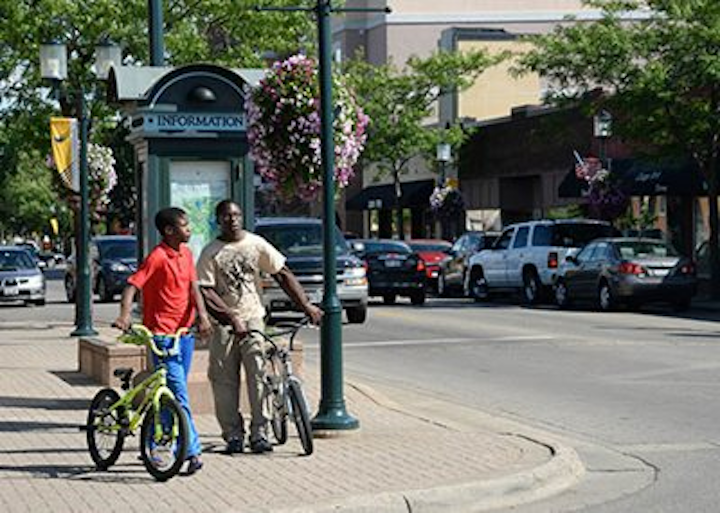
[{"x": 411, "y": 453}]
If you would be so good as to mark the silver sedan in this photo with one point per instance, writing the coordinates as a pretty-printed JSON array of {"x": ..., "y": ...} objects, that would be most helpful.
[{"x": 20, "y": 277}]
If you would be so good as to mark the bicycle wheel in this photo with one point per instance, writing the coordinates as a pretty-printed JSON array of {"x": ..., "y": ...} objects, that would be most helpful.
[
  {"x": 275, "y": 400},
  {"x": 105, "y": 429},
  {"x": 164, "y": 439},
  {"x": 300, "y": 415}
]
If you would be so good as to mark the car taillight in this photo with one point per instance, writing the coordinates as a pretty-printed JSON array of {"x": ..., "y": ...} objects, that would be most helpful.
[
  {"x": 552, "y": 262},
  {"x": 420, "y": 265},
  {"x": 688, "y": 268},
  {"x": 631, "y": 268}
]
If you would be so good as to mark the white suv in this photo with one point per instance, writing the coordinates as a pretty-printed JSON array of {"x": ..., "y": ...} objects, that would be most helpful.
[{"x": 526, "y": 256}]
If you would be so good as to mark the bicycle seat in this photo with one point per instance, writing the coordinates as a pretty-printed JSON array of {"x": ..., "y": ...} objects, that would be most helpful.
[{"x": 124, "y": 373}]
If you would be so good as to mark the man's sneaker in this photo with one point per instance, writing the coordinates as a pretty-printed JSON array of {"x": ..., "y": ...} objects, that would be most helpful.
[
  {"x": 260, "y": 445},
  {"x": 194, "y": 464},
  {"x": 234, "y": 446}
]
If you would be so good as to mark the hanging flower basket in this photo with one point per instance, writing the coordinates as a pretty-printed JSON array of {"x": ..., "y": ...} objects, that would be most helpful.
[
  {"x": 606, "y": 200},
  {"x": 102, "y": 176},
  {"x": 284, "y": 129},
  {"x": 446, "y": 201}
]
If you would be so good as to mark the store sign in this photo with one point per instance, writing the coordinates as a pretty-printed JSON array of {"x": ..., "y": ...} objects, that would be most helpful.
[{"x": 193, "y": 122}]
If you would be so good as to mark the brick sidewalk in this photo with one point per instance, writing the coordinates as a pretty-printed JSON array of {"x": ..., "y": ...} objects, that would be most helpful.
[{"x": 45, "y": 466}]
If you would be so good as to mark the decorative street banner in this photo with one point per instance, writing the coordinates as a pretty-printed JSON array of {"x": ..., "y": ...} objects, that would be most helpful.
[{"x": 66, "y": 150}]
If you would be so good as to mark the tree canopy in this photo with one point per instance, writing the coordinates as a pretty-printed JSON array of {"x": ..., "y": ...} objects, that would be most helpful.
[
  {"x": 659, "y": 74},
  {"x": 214, "y": 31}
]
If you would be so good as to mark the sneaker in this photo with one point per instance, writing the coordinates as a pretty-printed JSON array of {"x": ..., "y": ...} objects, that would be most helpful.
[
  {"x": 260, "y": 445},
  {"x": 194, "y": 464},
  {"x": 234, "y": 446}
]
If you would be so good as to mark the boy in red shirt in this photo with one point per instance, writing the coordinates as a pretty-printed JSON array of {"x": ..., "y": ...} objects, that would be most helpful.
[{"x": 171, "y": 299}]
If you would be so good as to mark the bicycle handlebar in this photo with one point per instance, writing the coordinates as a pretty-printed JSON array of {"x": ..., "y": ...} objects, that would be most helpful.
[
  {"x": 138, "y": 334},
  {"x": 287, "y": 328}
]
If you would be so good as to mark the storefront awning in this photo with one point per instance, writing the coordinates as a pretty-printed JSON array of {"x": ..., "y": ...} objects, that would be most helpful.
[
  {"x": 414, "y": 194},
  {"x": 667, "y": 177}
]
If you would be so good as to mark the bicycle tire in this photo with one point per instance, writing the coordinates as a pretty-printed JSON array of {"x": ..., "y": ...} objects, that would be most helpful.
[
  {"x": 105, "y": 436},
  {"x": 171, "y": 446},
  {"x": 275, "y": 401},
  {"x": 300, "y": 415}
]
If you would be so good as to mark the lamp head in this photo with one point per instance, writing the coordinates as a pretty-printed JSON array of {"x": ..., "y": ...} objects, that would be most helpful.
[
  {"x": 107, "y": 55},
  {"x": 53, "y": 61}
]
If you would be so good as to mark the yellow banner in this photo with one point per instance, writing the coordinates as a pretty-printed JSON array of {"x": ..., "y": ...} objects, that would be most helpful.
[{"x": 64, "y": 136}]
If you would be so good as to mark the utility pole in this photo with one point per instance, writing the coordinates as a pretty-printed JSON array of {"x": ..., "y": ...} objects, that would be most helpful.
[{"x": 332, "y": 414}]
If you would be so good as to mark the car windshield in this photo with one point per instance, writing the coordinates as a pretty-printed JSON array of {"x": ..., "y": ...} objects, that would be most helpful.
[
  {"x": 645, "y": 249},
  {"x": 387, "y": 247},
  {"x": 576, "y": 235},
  {"x": 300, "y": 240},
  {"x": 11, "y": 260},
  {"x": 118, "y": 250},
  {"x": 429, "y": 246}
]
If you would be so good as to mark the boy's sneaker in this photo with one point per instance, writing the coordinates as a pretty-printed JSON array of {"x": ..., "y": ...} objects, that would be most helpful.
[
  {"x": 234, "y": 446},
  {"x": 194, "y": 464},
  {"x": 260, "y": 445}
]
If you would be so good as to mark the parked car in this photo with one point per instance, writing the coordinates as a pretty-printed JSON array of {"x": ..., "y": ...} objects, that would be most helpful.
[
  {"x": 393, "y": 270},
  {"x": 527, "y": 255},
  {"x": 454, "y": 270},
  {"x": 20, "y": 277},
  {"x": 626, "y": 270},
  {"x": 113, "y": 258},
  {"x": 300, "y": 240},
  {"x": 433, "y": 252}
]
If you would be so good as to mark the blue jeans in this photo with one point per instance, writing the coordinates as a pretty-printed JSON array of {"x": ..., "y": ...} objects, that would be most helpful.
[{"x": 178, "y": 369}]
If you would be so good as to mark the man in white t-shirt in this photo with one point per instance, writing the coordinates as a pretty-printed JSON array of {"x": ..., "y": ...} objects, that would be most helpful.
[{"x": 228, "y": 271}]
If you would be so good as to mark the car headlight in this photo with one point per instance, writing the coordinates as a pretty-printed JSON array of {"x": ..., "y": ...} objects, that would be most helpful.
[
  {"x": 355, "y": 276},
  {"x": 36, "y": 281},
  {"x": 119, "y": 267}
]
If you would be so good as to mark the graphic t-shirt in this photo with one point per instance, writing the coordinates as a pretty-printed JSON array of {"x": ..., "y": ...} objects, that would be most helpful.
[{"x": 233, "y": 270}]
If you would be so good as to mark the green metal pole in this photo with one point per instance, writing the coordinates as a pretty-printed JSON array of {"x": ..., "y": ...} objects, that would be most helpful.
[
  {"x": 155, "y": 28},
  {"x": 83, "y": 296},
  {"x": 332, "y": 414}
]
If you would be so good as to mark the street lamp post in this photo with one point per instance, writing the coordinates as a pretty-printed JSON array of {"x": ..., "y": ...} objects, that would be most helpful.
[
  {"x": 332, "y": 414},
  {"x": 443, "y": 154},
  {"x": 53, "y": 67},
  {"x": 602, "y": 130}
]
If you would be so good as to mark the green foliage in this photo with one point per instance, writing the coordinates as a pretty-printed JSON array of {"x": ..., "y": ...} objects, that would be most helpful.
[
  {"x": 399, "y": 102},
  {"x": 214, "y": 31}
]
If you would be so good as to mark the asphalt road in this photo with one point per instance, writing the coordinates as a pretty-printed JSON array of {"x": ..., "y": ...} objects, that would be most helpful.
[{"x": 644, "y": 385}]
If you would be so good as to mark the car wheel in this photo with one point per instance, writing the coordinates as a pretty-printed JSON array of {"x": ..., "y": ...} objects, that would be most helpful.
[
  {"x": 418, "y": 298},
  {"x": 70, "y": 289},
  {"x": 606, "y": 301},
  {"x": 477, "y": 286},
  {"x": 531, "y": 287},
  {"x": 561, "y": 295},
  {"x": 356, "y": 314},
  {"x": 441, "y": 285},
  {"x": 389, "y": 299},
  {"x": 102, "y": 289}
]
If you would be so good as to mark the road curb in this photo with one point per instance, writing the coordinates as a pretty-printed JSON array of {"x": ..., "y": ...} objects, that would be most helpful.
[{"x": 561, "y": 471}]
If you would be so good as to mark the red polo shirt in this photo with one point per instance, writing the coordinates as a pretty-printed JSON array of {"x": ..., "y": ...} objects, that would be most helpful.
[{"x": 165, "y": 278}]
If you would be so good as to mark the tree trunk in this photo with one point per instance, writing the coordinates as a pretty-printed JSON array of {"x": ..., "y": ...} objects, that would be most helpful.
[
  {"x": 713, "y": 219},
  {"x": 398, "y": 204}
]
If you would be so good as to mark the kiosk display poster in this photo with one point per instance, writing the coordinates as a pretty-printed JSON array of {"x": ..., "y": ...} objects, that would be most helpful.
[{"x": 197, "y": 187}]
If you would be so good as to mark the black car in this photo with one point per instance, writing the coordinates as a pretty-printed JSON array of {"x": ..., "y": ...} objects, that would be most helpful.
[
  {"x": 113, "y": 258},
  {"x": 626, "y": 270},
  {"x": 393, "y": 269},
  {"x": 453, "y": 270}
]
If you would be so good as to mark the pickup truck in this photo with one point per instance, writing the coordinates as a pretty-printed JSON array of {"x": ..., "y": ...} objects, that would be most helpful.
[{"x": 526, "y": 257}]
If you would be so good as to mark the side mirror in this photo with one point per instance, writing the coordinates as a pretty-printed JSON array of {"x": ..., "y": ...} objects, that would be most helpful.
[
  {"x": 357, "y": 247},
  {"x": 572, "y": 259}
]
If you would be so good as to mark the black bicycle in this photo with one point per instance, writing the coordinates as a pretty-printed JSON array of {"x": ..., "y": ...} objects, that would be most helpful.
[{"x": 283, "y": 390}]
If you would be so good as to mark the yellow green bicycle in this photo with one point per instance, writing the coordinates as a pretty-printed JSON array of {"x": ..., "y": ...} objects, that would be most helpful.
[{"x": 149, "y": 405}]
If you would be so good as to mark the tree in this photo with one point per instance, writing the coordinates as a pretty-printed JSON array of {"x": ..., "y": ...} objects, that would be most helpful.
[
  {"x": 399, "y": 103},
  {"x": 215, "y": 31},
  {"x": 660, "y": 76}
]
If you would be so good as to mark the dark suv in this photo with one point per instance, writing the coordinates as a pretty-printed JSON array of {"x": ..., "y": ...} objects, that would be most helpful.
[
  {"x": 453, "y": 270},
  {"x": 300, "y": 240},
  {"x": 113, "y": 258}
]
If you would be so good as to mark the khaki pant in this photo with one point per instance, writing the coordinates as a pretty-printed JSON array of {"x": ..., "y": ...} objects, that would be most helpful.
[{"x": 226, "y": 356}]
